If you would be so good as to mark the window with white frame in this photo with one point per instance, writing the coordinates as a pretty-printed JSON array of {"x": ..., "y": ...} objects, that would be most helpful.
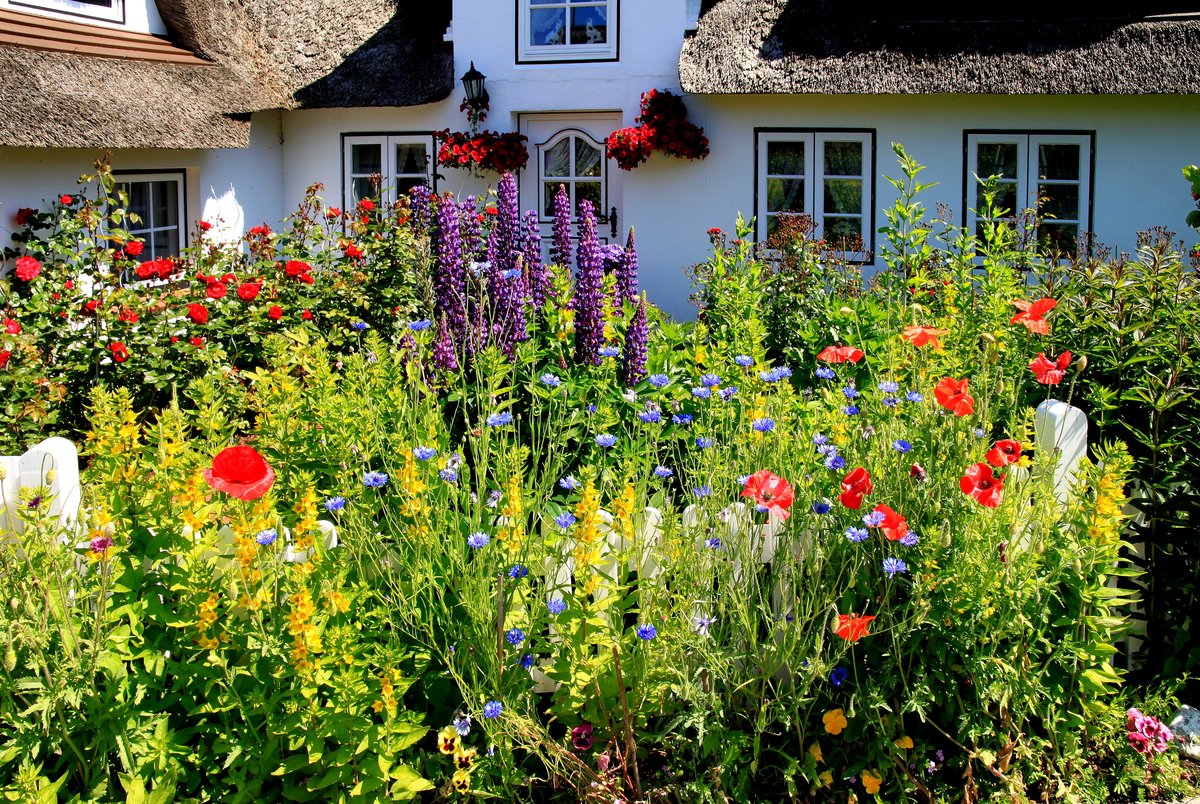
[
  {"x": 1049, "y": 172},
  {"x": 108, "y": 10},
  {"x": 566, "y": 30},
  {"x": 573, "y": 160},
  {"x": 826, "y": 175},
  {"x": 157, "y": 199},
  {"x": 384, "y": 167}
]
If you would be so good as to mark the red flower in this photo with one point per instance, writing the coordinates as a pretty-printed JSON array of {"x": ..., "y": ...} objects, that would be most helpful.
[
  {"x": 1050, "y": 372},
  {"x": 248, "y": 291},
  {"x": 581, "y": 737},
  {"x": 333, "y": 212},
  {"x": 119, "y": 352},
  {"x": 921, "y": 336},
  {"x": 134, "y": 248},
  {"x": 240, "y": 472},
  {"x": 198, "y": 313},
  {"x": 1004, "y": 453},
  {"x": 917, "y": 472},
  {"x": 66, "y": 199},
  {"x": 855, "y": 485},
  {"x": 770, "y": 491},
  {"x": 12, "y": 326},
  {"x": 4, "y": 356},
  {"x": 174, "y": 339},
  {"x": 128, "y": 316},
  {"x": 216, "y": 290},
  {"x": 203, "y": 226},
  {"x": 894, "y": 526},
  {"x": 197, "y": 342},
  {"x": 28, "y": 269},
  {"x": 296, "y": 267},
  {"x": 275, "y": 313},
  {"x": 90, "y": 307},
  {"x": 25, "y": 216},
  {"x": 715, "y": 231},
  {"x": 840, "y": 354},
  {"x": 307, "y": 315},
  {"x": 145, "y": 270},
  {"x": 1031, "y": 315},
  {"x": 352, "y": 251},
  {"x": 980, "y": 484},
  {"x": 366, "y": 205},
  {"x": 306, "y": 278},
  {"x": 851, "y": 627},
  {"x": 953, "y": 396},
  {"x": 69, "y": 285}
]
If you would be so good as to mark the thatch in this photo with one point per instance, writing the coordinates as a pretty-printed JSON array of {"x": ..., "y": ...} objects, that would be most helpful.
[{"x": 815, "y": 46}]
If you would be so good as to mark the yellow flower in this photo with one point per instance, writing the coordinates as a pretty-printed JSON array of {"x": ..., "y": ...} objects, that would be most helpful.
[
  {"x": 448, "y": 740},
  {"x": 871, "y": 781},
  {"x": 461, "y": 781},
  {"x": 815, "y": 751},
  {"x": 826, "y": 778},
  {"x": 904, "y": 742},
  {"x": 835, "y": 721},
  {"x": 464, "y": 758}
]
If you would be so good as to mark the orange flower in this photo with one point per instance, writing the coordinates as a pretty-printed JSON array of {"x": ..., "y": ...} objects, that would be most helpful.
[
  {"x": 851, "y": 627},
  {"x": 835, "y": 721},
  {"x": 840, "y": 354},
  {"x": 1050, "y": 372},
  {"x": 871, "y": 781},
  {"x": 1031, "y": 315},
  {"x": 953, "y": 396},
  {"x": 770, "y": 491},
  {"x": 922, "y": 336}
]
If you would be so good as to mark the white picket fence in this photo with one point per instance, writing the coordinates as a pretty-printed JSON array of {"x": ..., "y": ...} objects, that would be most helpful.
[{"x": 52, "y": 464}]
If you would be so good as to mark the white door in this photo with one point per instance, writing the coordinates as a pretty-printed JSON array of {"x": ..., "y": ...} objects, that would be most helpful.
[{"x": 567, "y": 149}]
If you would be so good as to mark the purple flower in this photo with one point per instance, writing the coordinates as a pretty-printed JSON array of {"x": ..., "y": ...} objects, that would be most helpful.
[
  {"x": 850, "y": 392},
  {"x": 856, "y": 534},
  {"x": 710, "y": 380},
  {"x": 821, "y": 507},
  {"x": 609, "y": 351},
  {"x": 518, "y": 571},
  {"x": 663, "y": 472},
  {"x": 589, "y": 297},
  {"x": 909, "y": 539},
  {"x": 835, "y": 462},
  {"x": 894, "y": 566},
  {"x": 900, "y": 445},
  {"x": 650, "y": 416},
  {"x": 449, "y": 283},
  {"x": 444, "y": 358},
  {"x": 825, "y": 373},
  {"x": 637, "y": 339},
  {"x": 702, "y": 491},
  {"x": 763, "y": 425},
  {"x": 423, "y": 453},
  {"x": 514, "y": 636},
  {"x": 606, "y": 440},
  {"x": 646, "y": 632},
  {"x": 478, "y": 540},
  {"x": 889, "y": 387},
  {"x": 712, "y": 543},
  {"x": 659, "y": 380},
  {"x": 358, "y": 326},
  {"x": 493, "y": 709},
  {"x": 627, "y": 272},
  {"x": 374, "y": 480},
  {"x": 873, "y": 519},
  {"x": 704, "y": 442},
  {"x": 565, "y": 520},
  {"x": 850, "y": 410},
  {"x": 682, "y": 419},
  {"x": 472, "y": 238},
  {"x": 335, "y": 504},
  {"x": 700, "y": 392},
  {"x": 266, "y": 537},
  {"x": 727, "y": 393},
  {"x": 890, "y": 401},
  {"x": 838, "y": 675},
  {"x": 526, "y": 661},
  {"x": 418, "y": 326},
  {"x": 550, "y": 380},
  {"x": 569, "y": 483},
  {"x": 499, "y": 419},
  {"x": 539, "y": 275},
  {"x": 419, "y": 198},
  {"x": 560, "y": 247},
  {"x": 820, "y": 439},
  {"x": 448, "y": 475},
  {"x": 745, "y": 361},
  {"x": 556, "y": 606},
  {"x": 913, "y": 396}
]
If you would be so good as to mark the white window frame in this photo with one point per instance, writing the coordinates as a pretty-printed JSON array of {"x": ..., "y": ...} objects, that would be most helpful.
[
  {"x": 114, "y": 13},
  {"x": 567, "y": 52},
  {"x": 571, "y": 181},
  {"x": 1027, "y": 179},
  {"x": 387, "y": 143},
  {"x": 814, "y": 180},
  {"x": 146, "y": 228}
]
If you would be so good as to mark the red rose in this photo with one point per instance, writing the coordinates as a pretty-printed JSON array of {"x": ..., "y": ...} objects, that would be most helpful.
[
  {"x": 296, "y": 268},
  {"x": 197, "y": 342},
  {"x": 134, "y": 248},
  {"x": 333, "y": 212},
  {"x": 25, "y": 216},
  {"x": 4, "y": 356},
  {"x": 366, "y": 205},
  {"x": 198, "y": 313},
  {"x": 248, "y": 291},
  {"x": 203, "y": 226},
  {"x": 66, "y": 199},
  {"x": 12, "y": 326},
  {"x": 240, "y": 472},
  {"x": 307, "y": 315},
  {"x": 174, "y": 339},
  {"x": 28, "y": 269},
  {"x": 128, "y": 316},
  {"x": 90, "y": 307},
  {"x": 275, "y": 313},
  {"x": 216, "y": 290},
  {"x": 119, "y": 352},
  {"x": 69, "y": 285},
  {"x": 352, "y": 251},
  {"x": 306, "y": 278},
  {"x": 145, "y": 270}
]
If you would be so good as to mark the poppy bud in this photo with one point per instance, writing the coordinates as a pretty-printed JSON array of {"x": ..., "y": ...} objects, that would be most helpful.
[
  {"x": 1081, "y": 363},
  {"x": 846, "y": 311}
]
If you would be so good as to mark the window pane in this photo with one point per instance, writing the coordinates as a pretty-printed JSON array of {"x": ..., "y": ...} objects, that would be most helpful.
[
  {"x": 548, "y": 26},
  {"x": 845, "y": 233},
  {"x": 545, "y": 2},
  {"x": 785, "y": 158},
  {"x": 549, "y": 190},
  {"x": 557, "y": 158},
  {"x": 406, "y": 183},
  {"x": 165, "y": 243},
  {"x": 589, "y": 25},
  {"x": 1058, "y": 161},
  {"x": 1061, "y": 238},
  {"x": 139, "y": 203},
  {"x": 997, "y": 158},
  {"x": 587, "y": 158},
  {"x": 843, "y": 158},
  {"x": 366, "y": 158},
  {"x": 1005, "y": 202},
  {"x": 166, "y": 203},
  {"x": 843, "y": 195},
  {"x": 1060, "y": 201},
  {"x": 589, "y": 191},
  {"x": 785, "y": 195},
  {"x": 364, "y": 187},
  {"x": 410, "y": 159}
]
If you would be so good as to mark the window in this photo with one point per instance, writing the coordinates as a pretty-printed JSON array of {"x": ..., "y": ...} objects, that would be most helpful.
[
  {"x": 383, "y": 167},
  {"x": 826, "y": 175},
  {"x": 109, "y": 10},
  {"x": 157, "y": 200},
  {"x": 1047, "y": 171},
  {"x": 572, "y": 159},
  {"x": 566, "y": 30}
]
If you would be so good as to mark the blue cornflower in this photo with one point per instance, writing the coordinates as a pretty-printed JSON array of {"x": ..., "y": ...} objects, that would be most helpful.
[
  {"x": 449, "y": 475},
  {"x": 590, "y": 408},
  {"x": 477, "y": 540},
  {"x": 856, "y": 534},
  {"x": 838, "y": 675},
  {"x": 850, "y": 410},
  {"x": 820, "y": 439},
  {"x": 494, "y": 497},
  {"x": 359, "y": 326},
  {"x": 492, "y": 709},
  {"x": 821, "y": 507},
  {"x": 518, "y": 571},
  {"x": 889, "y": 387},
  {"x": 499, "y": 419},
  {"x": 712, "y": 543},
  {"x": 850, "y": 392},
  {"x": 650, "y": 416},
  {"x": 514, "y": 636},
  {"x": 835, "y": 462},
  {"x": 763, "y": 425},
  {"x": 462, "y": 725},
  {"x": 374, "y": 480},
  {"x": 417, "y": 326},
  {"x": 550, "y": 380},
  {"x": 701, "y": 392},
  {"x": 727, "y": 393},
  {"x": 510, "y": 273},
  {"x": 702, "y": 491},
  {"x": 606, "y": 440},
  {"x": 909, "y": 539},
  {"x": 978, "y": 431},
  {"x": 894, "y": 566},
  {"x": 334, "y": 504},
  {"x": 424, "y": 453},
  {"x": 704, "y": 442},
  {"x": 900, "y": 445},
  {"x": 526, "y": 661},
  {"x": 873, "y": 519},
  {"x": 913, "y": 396},
  {"x": 663, "y": 472},
  {"x": 266, "y": 537},
  {"x": 569, "y": 483},
  {"x": 827, "y": 449},
  {"x": 565, "y": 520},
  {"x": 609, "y": 351},
  {"x": 556, "y": 605},
  {"x": 710, "y": 379},
  {"x": 890, "y": 401},
  {"x": 647, "y": 632},
  {"x": 745, "y": 361},
  {"x": 825, "y": 373},
  {"x": 658, "y": 380},
  {"x": 782, "y": 372},
  {"x": 683, "y": 419}
]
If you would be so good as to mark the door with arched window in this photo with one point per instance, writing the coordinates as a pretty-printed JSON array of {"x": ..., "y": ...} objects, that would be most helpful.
[{"x": 567, "y": 150}]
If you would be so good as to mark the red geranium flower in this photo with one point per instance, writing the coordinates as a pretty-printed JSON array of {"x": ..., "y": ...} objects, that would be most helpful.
[
  {"x": 952, "y": 395},
  {"x": 12, "y": 326},
  {"x": 855, "y": 485},
  {"x": 981, "y": 485},
  {"x": 216, "y": 290},
  {"x": 198, "y": 313},
  {"x": 1004, "y": 453},
  {"x": 770, "y": 491},
  {"x": 28, "y": 269},
  {"x": 851, "y": 627},
  {"x": 248, "y": 291},
  {"x": 240, "y": 472},
  {"x": 1050, "y": 372},
  {"x": 120, "y": 353},
  {"x": 840, "y": 354},
  {"x": 134, "y": 248},
  {"x": 894, "y": 526},
  {"x": 1031, "y": 315},
  {"x": 275, "y": 313},
  {"x": 922, "y": 336}
]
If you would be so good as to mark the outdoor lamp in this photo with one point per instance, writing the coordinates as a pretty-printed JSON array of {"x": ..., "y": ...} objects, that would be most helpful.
[{"x": 472, "y": 81}]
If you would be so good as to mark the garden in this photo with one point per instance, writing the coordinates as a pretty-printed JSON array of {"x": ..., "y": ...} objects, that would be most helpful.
[{"x": 384, "y": 505}]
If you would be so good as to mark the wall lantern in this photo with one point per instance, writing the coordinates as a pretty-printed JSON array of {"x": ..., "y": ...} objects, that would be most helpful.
[{"x": 472, "y": 80}]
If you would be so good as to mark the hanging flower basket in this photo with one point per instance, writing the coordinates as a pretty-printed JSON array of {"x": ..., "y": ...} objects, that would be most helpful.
[
  {"x": 485, "y": 151},
  {"x": 662, "y": 126}
]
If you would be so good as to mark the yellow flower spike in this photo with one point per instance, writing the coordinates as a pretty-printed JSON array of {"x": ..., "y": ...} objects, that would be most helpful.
[
  {"x": 835, "y": 721},
  {"x": 448, "y": 740},
  {"x": 814, "y": 751},
  {"x": 904, "y": 742},
  {"x": 871, "y": 780}
]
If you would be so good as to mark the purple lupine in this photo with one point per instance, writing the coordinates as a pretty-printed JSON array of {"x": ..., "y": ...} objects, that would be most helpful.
[
  {"x": 537, "y": 275},
  {"x": 472, "y": 246},
  {"x": 560, "y": 247},
  {"x": 443, "y": 349},
  {"x": 633, "y": 356},
  {"x": 449, "y": 285},
  {"x": 508, "y": 223},
  {"x": 589, "y": 290},
  {"x": 627, "y": 273},
  {"x": 419, "y": 204}
]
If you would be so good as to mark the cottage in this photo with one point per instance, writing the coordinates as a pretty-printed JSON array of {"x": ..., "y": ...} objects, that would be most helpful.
[{"x": 228, "y": 111}]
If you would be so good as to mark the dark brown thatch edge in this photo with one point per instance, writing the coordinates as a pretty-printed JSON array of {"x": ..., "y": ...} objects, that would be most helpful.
[{"x": 765, "y": 46}]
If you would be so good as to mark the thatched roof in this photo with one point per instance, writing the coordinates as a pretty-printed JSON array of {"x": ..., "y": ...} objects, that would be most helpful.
[{"x": 827, "y": 47}]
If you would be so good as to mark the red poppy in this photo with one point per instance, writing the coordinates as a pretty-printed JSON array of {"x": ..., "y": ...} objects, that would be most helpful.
[
  {"x": 982, "y": 485},
  {"x": 134, "y": 248},
  {"x": 216, "y": 290},
  {"x": 198, "y": 313},
  {"x": 840, "y": 354},
  {"x": 894, "y": 526},
  {"x": 12, "y": 326},
  {"x": 770, "y": 491},
  {"x": 1004, "y": 453},
  {"x": 952, "y": 395},
  {"x": 1031, "y": 315},
  {"x": 851, "y": 627},
  {"x": 275, "y": 313},
  {"x": 248, "y": 291},
  {"x": 855, "y": 485},
  {"x": 240, "y": 472},
  {"x": 28, "y": 269},
  {"x": 917, "y": 472},
  {"x": 922, "y": 336},
  {"x": 1050, "y": 372},
  {"x": 120, "y": 353}
]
